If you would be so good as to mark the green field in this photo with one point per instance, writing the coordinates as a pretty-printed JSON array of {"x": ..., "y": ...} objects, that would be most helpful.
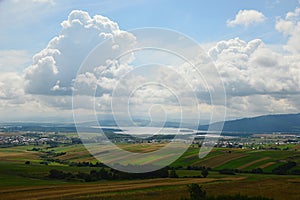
[
  {"x": 221, "y": 158},
  {"x": 30, "y": 181}
]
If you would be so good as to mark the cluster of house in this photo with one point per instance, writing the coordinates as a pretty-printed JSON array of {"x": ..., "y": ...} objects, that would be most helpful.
[{"x": 28, "y": 139}]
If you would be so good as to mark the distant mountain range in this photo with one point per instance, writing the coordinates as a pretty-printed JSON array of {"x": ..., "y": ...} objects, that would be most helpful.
[{"x": 285, "y": 123}]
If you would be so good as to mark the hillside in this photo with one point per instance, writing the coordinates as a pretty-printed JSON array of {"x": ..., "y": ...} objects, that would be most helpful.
[{"x": 287, "y": 123}]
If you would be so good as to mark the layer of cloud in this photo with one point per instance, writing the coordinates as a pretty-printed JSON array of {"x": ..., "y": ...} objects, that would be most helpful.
[{"x": 246, "y": 18}]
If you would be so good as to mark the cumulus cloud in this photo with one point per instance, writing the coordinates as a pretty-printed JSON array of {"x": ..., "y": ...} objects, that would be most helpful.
[
  {"x": 290, "y": 27},
  {"x": 246, "y": 18},
  {"x": 252, "y": 68},
  {"x": 245, "y": 106},
  {"x": 248, "y": 69},
  {"x": 55, "y": 67},
  {"x": 11, "y": 87},
  {"x": 52, "y": 77},
  {"x": 257, "y": 79},
  {"x": 16, "y": 105}
]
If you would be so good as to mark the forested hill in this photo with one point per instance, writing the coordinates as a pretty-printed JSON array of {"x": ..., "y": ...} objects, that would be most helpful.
[{"x": 286, "y": 123}]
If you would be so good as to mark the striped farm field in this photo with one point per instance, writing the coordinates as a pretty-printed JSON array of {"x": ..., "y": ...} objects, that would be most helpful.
[
  {"x": 19, "y": 154},
  {"x": 31, "y": 181},
  {"x": 141, "y": 148},
  {"x": 257, "y": 162},
  {"x": 218, "y": 158},
  {"x": 261, "y": 164}
]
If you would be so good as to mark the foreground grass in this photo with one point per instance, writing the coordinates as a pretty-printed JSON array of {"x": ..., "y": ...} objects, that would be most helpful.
[
  {"x": 273, "y": 187},
  {"x": 14, "y": 185}
]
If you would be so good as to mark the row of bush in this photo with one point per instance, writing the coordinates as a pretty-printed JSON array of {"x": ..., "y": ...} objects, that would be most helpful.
[
  {"x": 284, "y": 169},
  {"x": 234, "y": 171},
  {"x": 109, "y": 174},
  {"x": 189, "y": 167},
  {"x": 87, "y": 164},
  {"x": 280, "y": 170}
]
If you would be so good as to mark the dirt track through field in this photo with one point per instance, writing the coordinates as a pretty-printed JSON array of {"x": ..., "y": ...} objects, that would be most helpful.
[
  {"x": 266, "y": 165},
  {"x": 253, "y": 162},
  {"x": 219, "y": 160},
  {"x": 57, "y": 192}
]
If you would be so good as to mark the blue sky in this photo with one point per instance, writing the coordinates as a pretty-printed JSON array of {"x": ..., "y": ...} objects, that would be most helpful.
[
  {"x": 205, "y": 21},
  {"x": 267, "y": 31}
]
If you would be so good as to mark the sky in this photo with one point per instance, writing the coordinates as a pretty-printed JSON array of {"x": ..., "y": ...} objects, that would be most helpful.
[{"x": 254, "y": 46}]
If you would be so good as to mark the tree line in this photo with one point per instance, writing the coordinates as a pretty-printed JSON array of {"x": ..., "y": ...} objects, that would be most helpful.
[
  {"x": 284, "y": 169},
  {"x": 107, "y": 174}
]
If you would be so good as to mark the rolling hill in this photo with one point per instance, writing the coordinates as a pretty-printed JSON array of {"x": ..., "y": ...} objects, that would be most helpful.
[{"x": 285, "y": 123}]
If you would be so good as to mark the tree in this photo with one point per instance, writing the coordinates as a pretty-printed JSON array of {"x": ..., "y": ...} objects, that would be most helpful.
[
  {"x": 173, "y": 174},
  {"x": 196, "y": 192},
  {"x": 204, "y": 172},
  {"x": 57, "y": 174},
  {"x": 257, "y": 171}
]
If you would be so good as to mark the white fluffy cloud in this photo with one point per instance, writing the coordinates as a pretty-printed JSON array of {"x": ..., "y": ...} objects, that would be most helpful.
[
  {"x": 245, "y": 106},
  {"x": 13, "y": 99},
  {"x": 11, "y": 88},
  {"x": 52, "y": 77},
  {"x": 246, "y": 18},
  {"x": 54, "y": 68},
  {"x": 257, "y": 79},
  {"x": 253, "y": 68},
  {"x": 290, "y": 27}
]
